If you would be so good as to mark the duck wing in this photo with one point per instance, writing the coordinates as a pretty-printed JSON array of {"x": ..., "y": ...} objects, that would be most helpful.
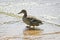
[{"x": 34, "y": 20}]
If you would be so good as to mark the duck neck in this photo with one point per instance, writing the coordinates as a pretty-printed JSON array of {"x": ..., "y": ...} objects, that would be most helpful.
[{"x": 25, "y": 15}]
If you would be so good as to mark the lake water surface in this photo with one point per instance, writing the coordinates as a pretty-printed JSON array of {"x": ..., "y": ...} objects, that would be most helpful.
[{"x": 13, "y": 28}]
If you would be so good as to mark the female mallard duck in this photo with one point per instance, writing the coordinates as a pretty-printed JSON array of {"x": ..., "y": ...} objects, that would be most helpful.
[{"x": 31, "y": 21}]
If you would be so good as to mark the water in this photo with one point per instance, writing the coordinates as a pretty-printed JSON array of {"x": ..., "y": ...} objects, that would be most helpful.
[{"x": 13, "y": 28}]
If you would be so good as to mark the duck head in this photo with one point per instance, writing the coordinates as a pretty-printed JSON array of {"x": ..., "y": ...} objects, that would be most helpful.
[{"x": 22, "y": 11}]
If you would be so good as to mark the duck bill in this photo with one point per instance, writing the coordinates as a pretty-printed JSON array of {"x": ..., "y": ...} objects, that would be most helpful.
[{"x": 19, "y": 12}]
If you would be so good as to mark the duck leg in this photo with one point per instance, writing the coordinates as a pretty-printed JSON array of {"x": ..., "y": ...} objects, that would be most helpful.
[
  {"x": 33, "y": 27},
  {"x": 28, "y": 26}
]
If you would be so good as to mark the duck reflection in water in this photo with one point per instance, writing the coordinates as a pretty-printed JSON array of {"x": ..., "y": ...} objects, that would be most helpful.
[
  {"x": 29, "y": 20},
  {"x": 30, "y": 34}
]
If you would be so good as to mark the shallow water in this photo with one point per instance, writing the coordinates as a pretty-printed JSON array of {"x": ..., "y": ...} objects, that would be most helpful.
[
  {"x": 16, "y": 30},
  {"x": 13, "y": 28}
]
